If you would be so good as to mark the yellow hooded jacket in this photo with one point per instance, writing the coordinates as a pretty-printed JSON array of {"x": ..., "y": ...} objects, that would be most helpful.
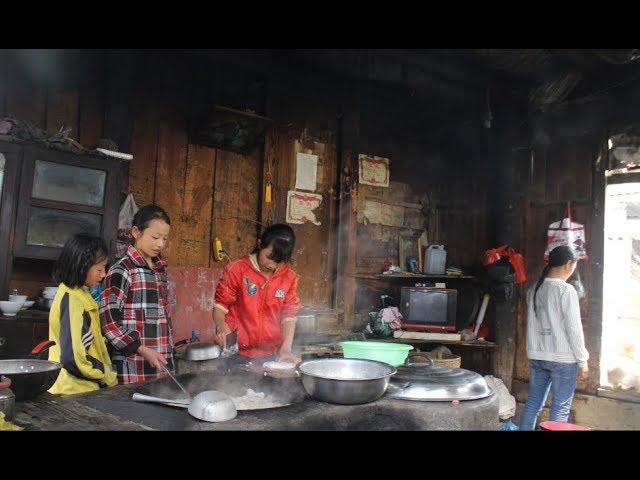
[{"x": 74, "y": 324}]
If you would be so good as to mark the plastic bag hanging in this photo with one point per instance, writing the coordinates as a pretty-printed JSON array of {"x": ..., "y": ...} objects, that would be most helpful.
[
  {"x": 125, "y": 221},
  {"x": 567, "y": 232},
  {"x": 515, "y": 259}
]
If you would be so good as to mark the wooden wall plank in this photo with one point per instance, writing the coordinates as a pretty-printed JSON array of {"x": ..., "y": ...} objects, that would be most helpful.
[
  {"x": 563, "y": 172},
  {"x": 170, "y": 180},
  {"x": 4, "y": 76},
  {"x": 144, "y": 147},
  {"x": 198, "y": 197},
  {"x": 92, "y": 100},
  {"x": 236, "y": 201},
  {"x": 62, "y": 110},
  {"x": 26, "y": 95}
]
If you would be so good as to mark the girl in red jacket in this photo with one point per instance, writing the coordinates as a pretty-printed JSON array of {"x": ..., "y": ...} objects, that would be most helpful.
[{"x": 257, "y": 298}]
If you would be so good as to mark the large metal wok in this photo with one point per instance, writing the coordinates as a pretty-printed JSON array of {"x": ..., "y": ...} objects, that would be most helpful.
[
  {"x": 31, "y": 376},
  {"x": 248, "y": 391}
]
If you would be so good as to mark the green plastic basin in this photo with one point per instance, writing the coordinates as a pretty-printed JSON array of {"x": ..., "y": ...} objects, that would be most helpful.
[{"x": 392, "y": 353}]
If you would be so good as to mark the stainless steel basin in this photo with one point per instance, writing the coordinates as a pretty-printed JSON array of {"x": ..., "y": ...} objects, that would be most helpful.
[{"x": 345, "y": 381}]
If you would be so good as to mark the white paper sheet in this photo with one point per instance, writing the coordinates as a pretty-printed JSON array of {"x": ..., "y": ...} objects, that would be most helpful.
[{"x": 306, "y": 171}]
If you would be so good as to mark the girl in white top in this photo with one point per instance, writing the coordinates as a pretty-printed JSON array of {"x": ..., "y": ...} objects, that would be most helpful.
[{"x": 555, "y": 340}]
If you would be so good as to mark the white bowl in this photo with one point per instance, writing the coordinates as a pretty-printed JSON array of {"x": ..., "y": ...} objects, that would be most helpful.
[
  {"x": 49, "y": 292},
  {"x": 10, "y": 308},
  {"x": 28, "y": 304},
  {"x": 18, "y": 298}
]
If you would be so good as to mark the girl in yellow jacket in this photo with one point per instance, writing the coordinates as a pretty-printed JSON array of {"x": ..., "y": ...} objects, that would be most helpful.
[{"x": 74, "y": 321}]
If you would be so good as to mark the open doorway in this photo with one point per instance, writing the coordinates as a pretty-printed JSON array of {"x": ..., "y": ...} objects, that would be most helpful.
[{"x": 620, "y": 354}]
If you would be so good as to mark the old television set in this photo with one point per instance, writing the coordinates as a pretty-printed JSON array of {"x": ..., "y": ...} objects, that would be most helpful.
[{"x": 429, "y": 309}]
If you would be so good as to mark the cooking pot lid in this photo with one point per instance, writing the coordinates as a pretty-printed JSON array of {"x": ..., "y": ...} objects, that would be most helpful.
[{"x": 435, "y": 383}]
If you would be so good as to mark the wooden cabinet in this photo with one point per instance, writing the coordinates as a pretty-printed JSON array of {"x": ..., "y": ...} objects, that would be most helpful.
[
  {"x": 10, "y": 155},
  {"x": 50, "y": 195},
  {"x": 18, "y": 335}
]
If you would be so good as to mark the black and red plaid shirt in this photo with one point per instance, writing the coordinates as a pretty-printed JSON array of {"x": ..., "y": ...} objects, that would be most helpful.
[{"x": 134, "y": 310}]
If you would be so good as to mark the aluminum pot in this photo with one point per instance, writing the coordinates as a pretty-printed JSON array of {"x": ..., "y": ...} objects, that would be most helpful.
[
  {"x": 345, "y": 381},
  {"x": 198, "y": 352}
]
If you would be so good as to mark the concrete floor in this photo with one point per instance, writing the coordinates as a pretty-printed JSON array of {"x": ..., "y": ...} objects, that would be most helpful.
[{"x": 597, "y": 412}]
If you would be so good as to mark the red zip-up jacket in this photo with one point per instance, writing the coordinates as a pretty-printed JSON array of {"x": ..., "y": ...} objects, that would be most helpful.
[{"x": 256, "y": 306}]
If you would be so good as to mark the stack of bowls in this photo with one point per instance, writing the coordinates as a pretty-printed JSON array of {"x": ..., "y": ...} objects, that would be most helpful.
[
  {"x": 49, "y": 292},
  {"x": 47, "y": 297},
  {"x": 10, "y": 309},
  {"x": 18, "y": 298}
]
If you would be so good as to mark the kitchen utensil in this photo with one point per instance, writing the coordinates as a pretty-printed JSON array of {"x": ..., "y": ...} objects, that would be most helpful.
[
  {"x": 424, "y": 382},
  {"x": 213, "y": 406},
  {"x": 176, "y": 380},
  {"x": 7, "y": 398},
  {"x": 44, "y": 303},
  {"x": 10, "y": 309},
  {"x": 279, "y": 369},
  {"x": 210, "y": 406},
  {"x": 172, "y": 402},
  {"x": 30, "y": 377},
  {"x": 277, "y": 392},
  {"x": 202, "y": 351},
  {"x": 392, "y": 353},
  {"x": 345, "y": 381},
  {"x": 49, "y": 292},
  {"x": 28, "y": 304},
  {"x": 232, "y": 345}
]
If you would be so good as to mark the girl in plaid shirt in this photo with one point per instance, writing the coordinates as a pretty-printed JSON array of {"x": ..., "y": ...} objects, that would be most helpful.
[{"x": 134, "y": 304}]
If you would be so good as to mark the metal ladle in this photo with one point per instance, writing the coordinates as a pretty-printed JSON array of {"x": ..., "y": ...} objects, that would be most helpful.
[
  {"x": 210, "y": 406},
  {"x": 176, "y": 381}
]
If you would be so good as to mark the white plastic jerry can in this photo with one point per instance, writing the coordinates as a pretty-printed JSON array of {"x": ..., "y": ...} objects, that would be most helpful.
[{"x": 435, "y": 260}]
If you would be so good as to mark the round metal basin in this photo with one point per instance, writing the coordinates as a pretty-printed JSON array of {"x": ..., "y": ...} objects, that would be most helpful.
[{"x": 345, "y": 381}]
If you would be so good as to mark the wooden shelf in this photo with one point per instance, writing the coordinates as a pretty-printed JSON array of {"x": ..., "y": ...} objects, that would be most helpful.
[
  {"x": 461, "y": 343},
  {"x": 30, "y": 314},
  {"x": 414, "y": 276}
]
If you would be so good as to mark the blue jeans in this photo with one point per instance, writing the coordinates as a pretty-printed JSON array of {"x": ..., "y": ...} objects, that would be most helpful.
[{"x": 558, "y": 377}]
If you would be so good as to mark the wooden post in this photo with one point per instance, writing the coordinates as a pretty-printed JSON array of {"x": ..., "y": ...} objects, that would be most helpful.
[
  {"x": 346, "y": 282},
  {"x": 508, "y": 210}
]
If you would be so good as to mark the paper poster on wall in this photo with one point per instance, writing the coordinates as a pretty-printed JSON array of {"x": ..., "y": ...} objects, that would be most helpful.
[
  {"x": 383, "y": 213},
  {"x": 301, "y": 206},
  {"x": 306, "y": 171},
  {"x": 373, "y": 170}
]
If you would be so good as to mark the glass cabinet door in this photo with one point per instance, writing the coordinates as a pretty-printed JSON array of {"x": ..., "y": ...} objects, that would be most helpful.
[
  {"x": 68, "y": 183},
  {"x": 52, "y": 228},
  {"x": 62, "y": 194}
]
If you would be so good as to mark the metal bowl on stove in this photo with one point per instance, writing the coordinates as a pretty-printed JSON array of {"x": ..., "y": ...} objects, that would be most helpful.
[
  {"x": 345, "y": 381},
  {"x": 198, "y": 352}
]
